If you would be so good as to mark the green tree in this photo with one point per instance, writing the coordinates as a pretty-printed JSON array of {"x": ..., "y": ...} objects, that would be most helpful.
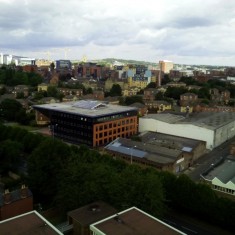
[
  {"x": 175, "y": 92},
  {"x": 52, "y": 91},
  {"x": 9, "y": 155},
  {"x": 151, "y": 85},
  {"x": 10, "y": 109},
  {"x": 159, "y": 96},
  {"x": 116, "y": 90},
  {"x": 166, "y": 79},
  {"x": 204, "y": 93},
  {"x": 189, "y": 81},
  {"x": 89, "y": 90},
  {"x": 44, "y": 168},
  {"x": 121, "y": 100},
  {"x": 2, "y": 90},
  {"x": 52, "y": 66},
  {"x": 133, "y": 99}
]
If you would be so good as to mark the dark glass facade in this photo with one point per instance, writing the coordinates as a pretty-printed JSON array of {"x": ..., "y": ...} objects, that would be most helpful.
[{"x": 93, "y": 131}]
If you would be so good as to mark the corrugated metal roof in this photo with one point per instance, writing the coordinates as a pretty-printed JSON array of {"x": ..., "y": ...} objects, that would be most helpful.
[
  {"x": 128, "y": 151},
  {"x": 151, "y": 152},
  {"x": 227, "y": 173},
  {"x": 224, "y": 172}
]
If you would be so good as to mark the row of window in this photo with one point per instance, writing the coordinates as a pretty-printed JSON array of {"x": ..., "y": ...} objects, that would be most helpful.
[
  {"x": 117, "y": 116},
  {"x": 73, "y": 132},
  {"x": 139, "y": 161},
  {"x": 71, "y": 117},
  {"x": 222, "y": 189},
  {"x": 74, "y": 139},
  {"x": 101, "y": 127},
  {"x": 103, "y": 141},
  {"x": 113, "y": 132}
]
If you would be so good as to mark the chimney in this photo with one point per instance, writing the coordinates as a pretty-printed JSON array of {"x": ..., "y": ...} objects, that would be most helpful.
[
  {"x": 7, "y": 197},
  {"x": 23, "y": 191}
]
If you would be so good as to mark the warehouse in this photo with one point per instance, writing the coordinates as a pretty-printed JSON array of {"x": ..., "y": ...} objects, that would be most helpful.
[
  {"x": 213, "y": 128},
  {"x": 221, "y": 176},
  {"x": 174, "y": 156}
]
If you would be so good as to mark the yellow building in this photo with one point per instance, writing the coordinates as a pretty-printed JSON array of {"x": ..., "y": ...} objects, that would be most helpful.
[
  {"x": 110, "y": 82},
  {"x": 165, "y": 66},
  {"x": 43, "y": 87},
  {"x": 137, "y": 83},
  {"x": 158, "y": 105},
  {"x": 130, "y": 91},
  {"x": 43, "y": 62},
  {"x": 186, "y": 109}
]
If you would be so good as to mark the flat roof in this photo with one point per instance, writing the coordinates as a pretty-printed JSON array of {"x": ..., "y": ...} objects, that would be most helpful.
[
  {"x": 151, "y": 152},
  {"x": 165, "y": 117},
  {"x": 27, "y": 224},
  {"x": 177, "y": 142},
  {"x": 133, "y": 221},
  {"x": 225, "y": 171},
  {"x": 91, "y": 108},
  {"x": 209, "y": 120},
  {"x": 92, "y": 213}
]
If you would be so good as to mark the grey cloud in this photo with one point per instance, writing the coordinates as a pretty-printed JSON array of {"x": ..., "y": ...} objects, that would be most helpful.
[
  {"x": 191, "y": 22},
  {"x": 184, "y": 28}
]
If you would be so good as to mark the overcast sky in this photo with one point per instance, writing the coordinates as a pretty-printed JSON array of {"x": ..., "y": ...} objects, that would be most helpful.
[{"x": 184, "y": 31}]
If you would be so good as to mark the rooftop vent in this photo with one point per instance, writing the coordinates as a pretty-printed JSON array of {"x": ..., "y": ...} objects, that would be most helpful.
[{"x": 94, "y": 208}]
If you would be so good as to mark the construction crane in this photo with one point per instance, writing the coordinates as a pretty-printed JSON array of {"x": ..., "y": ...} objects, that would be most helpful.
[
  {"x": 84, "y": 59},
  {"x": 66, "y": 50}
]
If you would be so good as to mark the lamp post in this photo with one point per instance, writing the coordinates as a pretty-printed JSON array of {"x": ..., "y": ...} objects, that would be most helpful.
[
  {"x": 132, "y": 153},
  {"x": 52, "y": 128}
]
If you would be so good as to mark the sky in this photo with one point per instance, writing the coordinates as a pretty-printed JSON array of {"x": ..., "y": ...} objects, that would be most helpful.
[{"x": 183, "y": 31}]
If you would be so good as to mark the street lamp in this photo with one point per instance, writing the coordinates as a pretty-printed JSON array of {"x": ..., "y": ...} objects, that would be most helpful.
[
  {"x": 52, "y": 129},
  {"x": 132, "y": 153}
]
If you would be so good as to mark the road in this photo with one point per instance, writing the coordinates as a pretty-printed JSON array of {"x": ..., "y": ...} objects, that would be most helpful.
[
  {"x": 192, "y": 226},
  {"x": 208, "y": 159}
]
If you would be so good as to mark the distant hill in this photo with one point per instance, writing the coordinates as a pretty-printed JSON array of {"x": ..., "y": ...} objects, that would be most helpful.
[{"x": 113, "y": 60}]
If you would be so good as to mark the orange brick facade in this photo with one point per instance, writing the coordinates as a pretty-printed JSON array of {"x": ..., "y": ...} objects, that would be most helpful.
[{"x": 106, "y": 132}]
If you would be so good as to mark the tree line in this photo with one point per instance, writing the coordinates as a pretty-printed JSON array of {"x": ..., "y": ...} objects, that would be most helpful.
[
  {"x": 67, "y": 176},
  {"x": 13, "y": 77},
  {"x": 11, "y": 110}
]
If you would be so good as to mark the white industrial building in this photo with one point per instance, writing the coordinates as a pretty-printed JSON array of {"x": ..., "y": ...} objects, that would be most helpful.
[
  {"x": 17, "y": 60},
  {"x": 214, "y": 128},
  {"x": 221, "y": 176}
]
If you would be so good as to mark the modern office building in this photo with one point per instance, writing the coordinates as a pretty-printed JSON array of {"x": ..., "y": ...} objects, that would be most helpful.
[
  {"x": 89, "y": 122},
  {"x": 63, "y": 64},
  {"x": 17, "y": 60}
]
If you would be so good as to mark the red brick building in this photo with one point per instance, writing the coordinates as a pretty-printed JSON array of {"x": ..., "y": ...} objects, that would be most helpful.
[
  {"x": 83, "y": 217},
  {"x": 15, "y": 203},
  {"x": 149, "y": 94},
  {"x": 188, "y": 99}
]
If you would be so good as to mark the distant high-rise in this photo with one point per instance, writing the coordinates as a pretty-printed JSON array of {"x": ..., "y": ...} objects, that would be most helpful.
[{"x": 165, "y": 66}]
